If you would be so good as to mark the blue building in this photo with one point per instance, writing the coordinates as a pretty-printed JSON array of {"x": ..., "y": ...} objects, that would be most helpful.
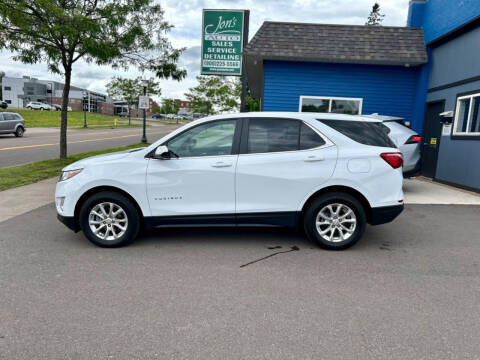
[{"x": 417, "y": 72}]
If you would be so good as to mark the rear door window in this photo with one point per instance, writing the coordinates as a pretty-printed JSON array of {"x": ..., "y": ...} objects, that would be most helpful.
[
  {"x": 272, "y": 135},
  {"x": 363, "y": 132}
]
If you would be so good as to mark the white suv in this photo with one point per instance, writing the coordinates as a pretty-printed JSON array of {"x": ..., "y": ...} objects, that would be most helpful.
[
  {"x": 329, "y": 174},
  {"x": 37, "y": 105}
]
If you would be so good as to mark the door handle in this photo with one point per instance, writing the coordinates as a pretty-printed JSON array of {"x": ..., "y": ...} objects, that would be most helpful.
[
  {"x": 220, "y": 164},
  {"x": 313, "y": 158}
]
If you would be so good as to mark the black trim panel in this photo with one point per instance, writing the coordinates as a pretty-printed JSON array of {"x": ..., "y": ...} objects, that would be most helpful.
[
  {"x": 454, "y": 84},
  {"x": 385, "y": 214},
  {"x": 288, "y": 219},
  {"x": 68, "y": 221}
]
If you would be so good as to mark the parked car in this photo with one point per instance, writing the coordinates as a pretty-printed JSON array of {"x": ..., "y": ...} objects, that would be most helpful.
[
  {"x": 158, "y": 116},
  {"x": 37, "y": 105},
  {"x": 3, "y": 105},
  {"x": 57, "y": 107},
  {"x": 123, "y": 114},
  {"x": 330, "y": 174},
  {"x": 12, "y": 123},
  {"x": 408, "y": 142}
]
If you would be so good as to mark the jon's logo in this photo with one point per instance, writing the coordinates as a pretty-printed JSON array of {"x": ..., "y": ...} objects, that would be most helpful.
[{"x": 223, "y": 26}]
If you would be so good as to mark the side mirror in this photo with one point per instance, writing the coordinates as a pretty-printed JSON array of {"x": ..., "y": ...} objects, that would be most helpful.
[{"x": 162, "y": 153}]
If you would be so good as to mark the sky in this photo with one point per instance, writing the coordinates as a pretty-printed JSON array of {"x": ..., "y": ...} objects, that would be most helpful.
[{"x": 186, "y": 16}]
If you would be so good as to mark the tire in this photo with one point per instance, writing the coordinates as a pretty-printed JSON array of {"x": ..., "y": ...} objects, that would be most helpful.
[
  {"x": 41, "y": 109},
  {"x": 19, "y": 132},
  {"x": 333, "y": 234},
  {"x": 29, "y": 108},
  {"x": 106, "y": 238}
]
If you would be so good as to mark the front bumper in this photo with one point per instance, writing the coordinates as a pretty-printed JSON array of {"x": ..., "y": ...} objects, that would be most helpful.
[
  {"x": 385, "y": 214},
  {"x": 68, "y": 221}
]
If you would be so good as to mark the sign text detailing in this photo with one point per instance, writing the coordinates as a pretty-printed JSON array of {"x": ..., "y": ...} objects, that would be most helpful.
[{"x": 222, "y": 42}]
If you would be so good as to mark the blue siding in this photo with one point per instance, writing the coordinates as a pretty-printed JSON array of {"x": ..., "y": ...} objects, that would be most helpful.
[
  {"x": 458, "y": 162},
  {"x": 458, "y": 59},
  {"x": 439, "y": 17},
  {"x": 387, "y": 90}
]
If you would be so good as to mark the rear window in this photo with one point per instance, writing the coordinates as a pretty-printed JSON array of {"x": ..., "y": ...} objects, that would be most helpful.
[{"x": 367, "y": 133}]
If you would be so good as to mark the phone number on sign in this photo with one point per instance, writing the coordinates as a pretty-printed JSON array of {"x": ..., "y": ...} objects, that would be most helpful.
[{"x": 221, "y": 63}]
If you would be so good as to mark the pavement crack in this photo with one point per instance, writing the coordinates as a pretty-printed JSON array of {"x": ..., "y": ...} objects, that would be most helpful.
[{"x": 293, "y": 248}]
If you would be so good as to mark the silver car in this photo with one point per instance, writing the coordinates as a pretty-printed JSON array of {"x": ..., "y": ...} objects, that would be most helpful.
[
  {"x": 407, "y": 141},
  {"x": 12, "y": 123}
]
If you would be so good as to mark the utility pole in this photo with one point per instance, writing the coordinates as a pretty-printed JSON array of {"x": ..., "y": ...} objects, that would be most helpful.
[
  {"x": 84, "y": 93},
  {"x": 246, "y": 23},
  {"x": 144, "y": 137}
]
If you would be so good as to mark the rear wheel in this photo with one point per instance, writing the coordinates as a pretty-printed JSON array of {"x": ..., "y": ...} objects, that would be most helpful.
[
  {"x": 109, "y": 219},
  {"x": 19, "y": 132},
  {"x": 335, "y": 221}
]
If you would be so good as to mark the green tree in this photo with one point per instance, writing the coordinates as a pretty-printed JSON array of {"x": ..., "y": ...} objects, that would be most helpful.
[
  {"x": 129, "y": 90},
  {"x": 214, "y": 94},
  {"x": 156, "y": 109},
  {"x": 169, "y": 106},
  {"x": 251, "y": 104},
  {"x": 118, "y": 33},
  {"x": 376, "y": 17}
]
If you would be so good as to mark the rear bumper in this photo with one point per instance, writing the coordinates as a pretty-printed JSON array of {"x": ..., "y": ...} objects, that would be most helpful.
[
  {"x": 385, "y": 214},
  {"x": 68, "y": 221}
]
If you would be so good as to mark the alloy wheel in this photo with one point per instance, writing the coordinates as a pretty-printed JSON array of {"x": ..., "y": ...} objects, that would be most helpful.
[
  {"x": 108, "y": 221},
  {"x": 336, "y": 222}
]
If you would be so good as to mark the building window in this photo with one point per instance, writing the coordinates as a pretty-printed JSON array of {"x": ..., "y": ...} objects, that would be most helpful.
[
  {"x": 467, "y": 115},
  {"x": 7, "y": 88},
  {"x": 338, "y": 105},
  {"x": 8, "y": 101}
]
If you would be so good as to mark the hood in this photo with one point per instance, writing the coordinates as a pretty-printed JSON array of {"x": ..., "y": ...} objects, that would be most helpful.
[{"x": 98, "y": 159}]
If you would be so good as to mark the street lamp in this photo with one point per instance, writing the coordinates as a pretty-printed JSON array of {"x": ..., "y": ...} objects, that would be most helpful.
[
  {"x": 84, "y": 94},
  {"x": 144, "y": 137}
]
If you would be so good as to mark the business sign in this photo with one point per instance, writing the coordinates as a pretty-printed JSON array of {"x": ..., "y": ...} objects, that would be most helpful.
[
  {"x": 143, "y": 102},
  {"x": 222, "y": 42}
]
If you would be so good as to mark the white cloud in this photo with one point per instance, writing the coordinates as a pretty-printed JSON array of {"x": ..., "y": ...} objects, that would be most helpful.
[{"x": 187, "y": 18}]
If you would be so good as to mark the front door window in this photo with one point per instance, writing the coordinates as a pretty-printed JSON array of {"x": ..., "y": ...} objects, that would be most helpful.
[{"x": 210, "y": 139}]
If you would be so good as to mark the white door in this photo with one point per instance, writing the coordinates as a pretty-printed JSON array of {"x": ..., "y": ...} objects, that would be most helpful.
[
  {"x": 201, "y": 180},
  {"x": 282, "y": 162}
]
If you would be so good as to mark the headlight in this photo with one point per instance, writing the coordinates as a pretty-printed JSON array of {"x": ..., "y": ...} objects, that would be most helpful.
[{"x": 65, "y": 175}]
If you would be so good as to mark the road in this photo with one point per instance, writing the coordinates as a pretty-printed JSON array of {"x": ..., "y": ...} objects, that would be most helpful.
[
  {"x": 408, "y": 290},
  {"x": 43, "y": 143}
]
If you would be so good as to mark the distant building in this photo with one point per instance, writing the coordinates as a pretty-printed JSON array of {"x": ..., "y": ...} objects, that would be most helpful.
[
  {"x": 18, "y": 92},
  {"x": 182, "y": 104}
]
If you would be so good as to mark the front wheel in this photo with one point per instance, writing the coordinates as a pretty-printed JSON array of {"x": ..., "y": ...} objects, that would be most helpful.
[
  {"x": 109, "y": 219},
  {"x": 335, "y": 221}
]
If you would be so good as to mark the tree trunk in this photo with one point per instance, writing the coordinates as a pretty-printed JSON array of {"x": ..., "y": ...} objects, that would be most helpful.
[{"x": 63, "y": 123}]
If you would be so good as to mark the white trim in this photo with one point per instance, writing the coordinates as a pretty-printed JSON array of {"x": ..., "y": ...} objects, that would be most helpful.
[
  {"x": 469, "y": 118},
  {"x": 360, "y": 100}
]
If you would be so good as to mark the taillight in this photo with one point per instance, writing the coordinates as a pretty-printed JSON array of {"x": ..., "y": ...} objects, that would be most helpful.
[
  {"x": 414, "y": 139},
  {"x": 395, "y": 159}
]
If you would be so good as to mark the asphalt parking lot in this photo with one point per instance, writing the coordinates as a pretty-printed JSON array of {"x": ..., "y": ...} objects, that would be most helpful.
[{"x": 408, "y": 290}]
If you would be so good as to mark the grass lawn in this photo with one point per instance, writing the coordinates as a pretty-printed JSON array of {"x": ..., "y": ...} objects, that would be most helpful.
[
  {"x": 15, "y": 176},
  {"x": 37, "y": 118}
]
